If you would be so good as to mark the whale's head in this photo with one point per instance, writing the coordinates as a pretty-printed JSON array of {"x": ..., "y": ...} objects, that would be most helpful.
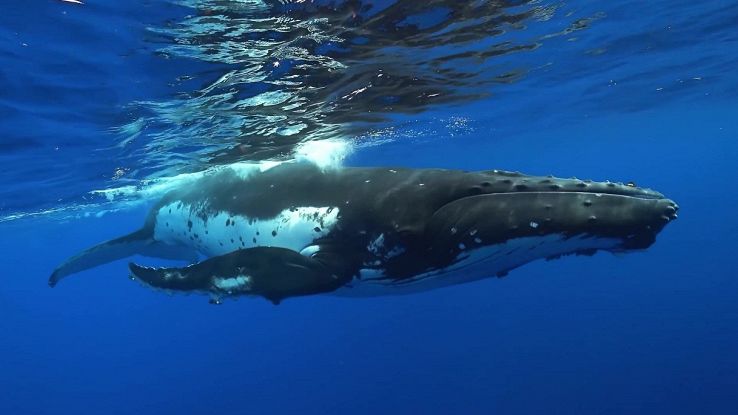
[{"x": 513, "y": 218}]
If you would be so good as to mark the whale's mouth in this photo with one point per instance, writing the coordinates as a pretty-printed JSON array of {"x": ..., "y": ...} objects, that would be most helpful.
[
  {"x": 500, "y": 181},
  {"x": 605, "y": 206},
  {"x": 512, "y": 206},
  {"x": 667, "y": 207}
]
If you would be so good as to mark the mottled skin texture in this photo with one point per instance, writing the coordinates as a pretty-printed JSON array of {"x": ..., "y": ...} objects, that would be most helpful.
[{"x": 432, "y": 214}]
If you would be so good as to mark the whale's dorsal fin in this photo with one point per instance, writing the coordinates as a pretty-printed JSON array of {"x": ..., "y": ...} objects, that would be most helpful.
[{"x": 269, "y": 272}]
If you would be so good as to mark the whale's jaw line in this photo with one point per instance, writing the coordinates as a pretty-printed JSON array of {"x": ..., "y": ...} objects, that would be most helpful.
[{"x": 498, "y": 217}]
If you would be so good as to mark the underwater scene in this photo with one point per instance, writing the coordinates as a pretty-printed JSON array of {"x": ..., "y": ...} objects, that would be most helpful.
[{"x": 368, "y": 206}]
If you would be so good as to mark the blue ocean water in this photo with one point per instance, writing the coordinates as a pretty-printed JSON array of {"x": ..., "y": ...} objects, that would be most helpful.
[{"x": 124, "y": 96}]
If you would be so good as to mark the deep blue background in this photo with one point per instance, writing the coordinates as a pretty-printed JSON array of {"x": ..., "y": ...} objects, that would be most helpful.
[{"x": 647, "y": 333}]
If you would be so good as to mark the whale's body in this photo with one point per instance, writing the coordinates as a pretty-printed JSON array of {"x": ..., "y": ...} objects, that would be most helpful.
[{"x": 296, "y": 229}]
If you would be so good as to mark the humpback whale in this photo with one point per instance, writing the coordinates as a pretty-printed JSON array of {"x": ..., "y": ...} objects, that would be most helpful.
[{"x": 296, "y": 229}]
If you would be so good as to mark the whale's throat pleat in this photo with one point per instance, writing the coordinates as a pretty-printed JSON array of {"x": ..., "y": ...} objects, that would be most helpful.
[{"x": 478, "y": 262}]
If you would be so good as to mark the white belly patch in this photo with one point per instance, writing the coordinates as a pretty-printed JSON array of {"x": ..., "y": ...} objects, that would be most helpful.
[{"x": 223, "y": 232}]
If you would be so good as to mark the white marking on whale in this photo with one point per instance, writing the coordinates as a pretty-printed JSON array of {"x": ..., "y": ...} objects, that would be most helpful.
[
  {"x": 378, "y": 248},
  {"x": 221, "y": 233},
  {"x": 237, "y": 283}
]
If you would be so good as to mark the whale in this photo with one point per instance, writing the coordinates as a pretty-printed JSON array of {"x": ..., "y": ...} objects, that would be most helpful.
[{"x": 297, "y": 229}]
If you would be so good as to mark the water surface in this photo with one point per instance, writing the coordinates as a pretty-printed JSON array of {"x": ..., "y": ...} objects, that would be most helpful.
[{"x": 126, "y": 97}]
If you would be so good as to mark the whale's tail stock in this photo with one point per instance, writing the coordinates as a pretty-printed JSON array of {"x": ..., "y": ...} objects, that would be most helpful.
[{"x": 136, "y": 243}]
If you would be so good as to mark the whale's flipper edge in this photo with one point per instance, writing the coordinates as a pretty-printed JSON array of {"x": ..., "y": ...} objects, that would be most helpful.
[
  {"x": 136, "y": 243},
  {"x": 270, "y": 272}
]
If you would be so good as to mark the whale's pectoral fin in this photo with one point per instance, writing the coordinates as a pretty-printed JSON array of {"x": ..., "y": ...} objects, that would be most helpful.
[{"x": 273, "y": 273}]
